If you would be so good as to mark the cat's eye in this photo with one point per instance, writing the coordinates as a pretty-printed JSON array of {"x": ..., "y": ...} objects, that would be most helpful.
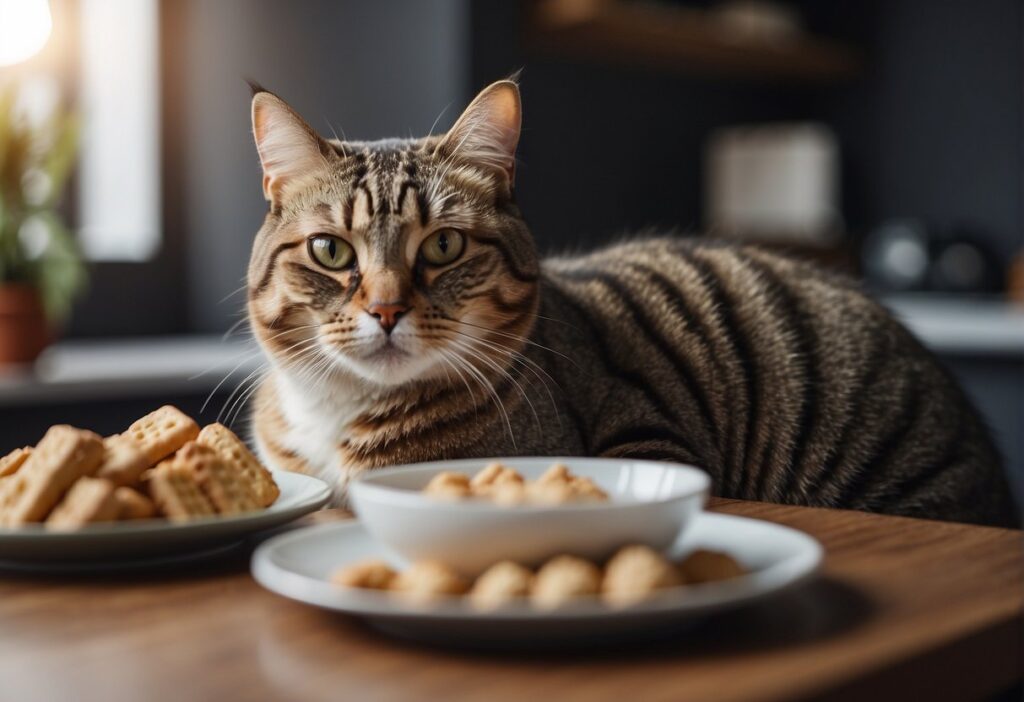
[
  {"x": 331, "y": 252},
  {"x": 443, "y": 246}
]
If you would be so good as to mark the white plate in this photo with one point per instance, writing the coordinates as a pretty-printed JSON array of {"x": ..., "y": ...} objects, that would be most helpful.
[
  {"x": 153, "y": 538},
  {"x": 650, "y": 502},
  {"x": 298, "y": 565}
]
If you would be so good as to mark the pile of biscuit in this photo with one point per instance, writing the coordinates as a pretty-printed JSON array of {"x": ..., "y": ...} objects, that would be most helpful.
[
  {"x": 162, "y": 466},
  {"x": 632, "y": 575},
  {"x": 507, "y": 487}
]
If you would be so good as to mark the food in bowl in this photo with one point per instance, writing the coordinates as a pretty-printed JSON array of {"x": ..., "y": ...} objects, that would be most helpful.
[
  {"x": 647, "y": 502},
  {"x": 505, "y": 486},
  {"x": 634, "y": 574},
  {"x": 162, "y": 466}
]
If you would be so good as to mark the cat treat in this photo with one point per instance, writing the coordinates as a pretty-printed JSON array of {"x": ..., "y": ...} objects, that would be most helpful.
[
  {"x": 123, "y": 461},
  {"x": 132, "y": 504},
  {"x": 506, "y": 487},
  {"x": 162, "y": 432},
  {"x": 222, "y": 440},
  {"x": 162, "y": 466},
  {"x": 89, "y": 500},
  {"x": 10, "y": 463},
  {"x": 634, "y": 574},
  {"x": 63, "y": 456}
]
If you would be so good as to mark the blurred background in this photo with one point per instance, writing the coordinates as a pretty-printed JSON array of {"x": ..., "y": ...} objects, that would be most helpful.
[{"x": 883, "y": 139}]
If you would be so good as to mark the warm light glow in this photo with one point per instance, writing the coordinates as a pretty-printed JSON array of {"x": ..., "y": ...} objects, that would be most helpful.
[{"x": 24, "y": 28}]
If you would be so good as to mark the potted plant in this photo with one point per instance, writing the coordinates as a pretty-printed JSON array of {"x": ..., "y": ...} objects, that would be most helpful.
[{"x": 41, "y": 268}]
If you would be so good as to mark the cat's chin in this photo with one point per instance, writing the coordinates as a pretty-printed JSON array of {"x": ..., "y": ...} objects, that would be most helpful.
[{"x": 390, "y": 366}]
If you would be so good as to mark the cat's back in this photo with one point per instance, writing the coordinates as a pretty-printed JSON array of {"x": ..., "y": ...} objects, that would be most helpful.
[{"x": 787, "y": 382}]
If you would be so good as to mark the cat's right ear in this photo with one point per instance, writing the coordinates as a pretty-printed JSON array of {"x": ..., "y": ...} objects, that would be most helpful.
[{"x": 289, "y": 148}]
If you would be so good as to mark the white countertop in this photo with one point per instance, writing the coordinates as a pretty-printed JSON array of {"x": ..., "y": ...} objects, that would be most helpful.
[
  {"x": 135, "y": 367},
  {"x": 962, "y": 325},
  {"x": 117, "y": 368}
]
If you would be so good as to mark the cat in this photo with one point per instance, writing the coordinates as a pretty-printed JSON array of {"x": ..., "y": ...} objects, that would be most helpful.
[{"x": 398, "y": 294}]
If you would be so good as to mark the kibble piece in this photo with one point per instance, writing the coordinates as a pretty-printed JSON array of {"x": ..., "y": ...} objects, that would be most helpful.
[
  {"x": 703, "y": 566},
  {"x": 234, "y": 451},
  {"x": 64, "y": 455},
  {"x": 587, "y": 489},
  {"x": 162, "y": 432},
  {"x": 132, "y": 504},
  {"x": 563, "y": 579},
  {"x": 491, "y": 476},
  {"x": 552, "y": 492},
  {"x": 10, "y": 463},
  {"x": 370, "y": 574},
  {"x": 425, "y": 581},
  {"x": 448, "y": 485},
  {"x": 634, "y": 573},
  {"x": 223, "y": 483},
  {"x": 500, "y": 585},
  {"x": 88, "y": 501},
  {"x": 508, "y": 494},
  {"x": 177, "y": 493},
  {"x": 557, "y": 473},
  {"x": 123, "y": 461}
]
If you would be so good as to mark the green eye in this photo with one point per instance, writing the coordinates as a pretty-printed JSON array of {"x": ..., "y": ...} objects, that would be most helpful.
[
  {"x": 331, "y": 251},
  {"x": 443, "y": 246}
]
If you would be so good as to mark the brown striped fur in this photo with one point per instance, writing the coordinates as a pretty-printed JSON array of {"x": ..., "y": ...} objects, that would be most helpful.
[{"x": 785, "y": 383}]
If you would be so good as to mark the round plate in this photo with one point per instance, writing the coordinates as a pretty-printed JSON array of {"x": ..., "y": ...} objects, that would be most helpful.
[
  {"x": 298, "y": 565},
  {"x": 150, "y": 538}
]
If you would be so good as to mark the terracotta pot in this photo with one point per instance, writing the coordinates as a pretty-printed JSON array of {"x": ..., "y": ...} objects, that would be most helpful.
[{"x": 24, "y": 331}]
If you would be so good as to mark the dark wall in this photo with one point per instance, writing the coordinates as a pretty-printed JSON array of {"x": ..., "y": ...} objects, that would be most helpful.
[
  {"x": 932, "y": 129},
  {"x": 365, "y": 69},
  {"x": 935, "y": 128},
  {"x": 610, "y": 149}
]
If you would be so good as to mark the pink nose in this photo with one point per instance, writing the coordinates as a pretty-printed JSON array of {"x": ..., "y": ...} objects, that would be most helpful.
[{"x": 387, "y": 313}]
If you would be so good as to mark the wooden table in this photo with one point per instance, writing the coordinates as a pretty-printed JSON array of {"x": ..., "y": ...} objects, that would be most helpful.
[{"x": 905, "y": 609}]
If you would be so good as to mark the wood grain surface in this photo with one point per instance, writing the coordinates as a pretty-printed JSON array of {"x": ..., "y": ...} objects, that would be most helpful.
[{"x": 905, "y": 609}]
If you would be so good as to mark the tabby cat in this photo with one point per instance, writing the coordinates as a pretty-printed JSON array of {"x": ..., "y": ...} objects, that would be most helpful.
[{"x": 398, "y": 294}]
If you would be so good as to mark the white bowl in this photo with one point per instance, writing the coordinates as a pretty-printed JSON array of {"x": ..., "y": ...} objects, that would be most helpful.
[{"x": 649, "y": 503}]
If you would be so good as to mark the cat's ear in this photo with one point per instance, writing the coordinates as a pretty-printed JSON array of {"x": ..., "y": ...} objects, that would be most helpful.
[
  {"x": 488, "y": 131},
  {"x": 288, "y": 147}
]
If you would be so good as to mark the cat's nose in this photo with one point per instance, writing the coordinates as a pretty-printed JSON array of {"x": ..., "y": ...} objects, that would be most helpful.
[{"x": 387, "y": 313}]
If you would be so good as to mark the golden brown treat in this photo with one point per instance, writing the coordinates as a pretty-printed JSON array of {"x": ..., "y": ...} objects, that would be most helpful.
[
  {"x": 551, "y": 492},
  {"x": 88, "y": 501},
  {"x": 501, "y": 584},
  {"x": 176, "y": 492},
  {"x": 586, "y": 489},
  {"x": 10, "y": 463},
  {"x": 508, "y": 493},
  {"x": 703, "y": 566},
  {"x": 162, "y": 432},
  {"x": 563, "y": 579},
  {"x": 370, "y": 574},
  {"x": 132, "y": 504},
  {"x": 223, "y": 483},
  {"x": 557, "y": 473},
  {"x": 234, "y": 451},
  {"x": 123, "y": 461},
  {"x": 448, "y": 485},
  {"x": 491, "y": 476},
  {"x": 426, "y": 580},
  {"x": 63, "y": 456},
  {"x": 634, "y": 573}
]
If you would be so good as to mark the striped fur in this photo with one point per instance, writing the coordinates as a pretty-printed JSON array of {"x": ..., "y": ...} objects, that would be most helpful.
[{"x": 785, "y": 383}]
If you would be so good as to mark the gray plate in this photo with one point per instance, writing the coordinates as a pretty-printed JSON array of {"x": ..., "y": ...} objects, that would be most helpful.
[{"x": 159, "y": 538}]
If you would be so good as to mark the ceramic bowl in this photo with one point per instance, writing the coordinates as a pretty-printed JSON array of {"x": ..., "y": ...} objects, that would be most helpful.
[{"x": 649, "y": 503}]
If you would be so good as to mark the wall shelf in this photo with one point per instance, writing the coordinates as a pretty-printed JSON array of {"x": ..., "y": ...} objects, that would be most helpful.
[{"x": 682, "y": 39}]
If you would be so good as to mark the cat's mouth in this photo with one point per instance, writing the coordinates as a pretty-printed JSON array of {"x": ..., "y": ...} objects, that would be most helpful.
[{"x": 393, "y": 360}]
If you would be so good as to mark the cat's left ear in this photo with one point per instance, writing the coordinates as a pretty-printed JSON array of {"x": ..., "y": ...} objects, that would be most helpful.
[
  {"x": 488, "y": 131},
  {"x": 289, "y": 148}
]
